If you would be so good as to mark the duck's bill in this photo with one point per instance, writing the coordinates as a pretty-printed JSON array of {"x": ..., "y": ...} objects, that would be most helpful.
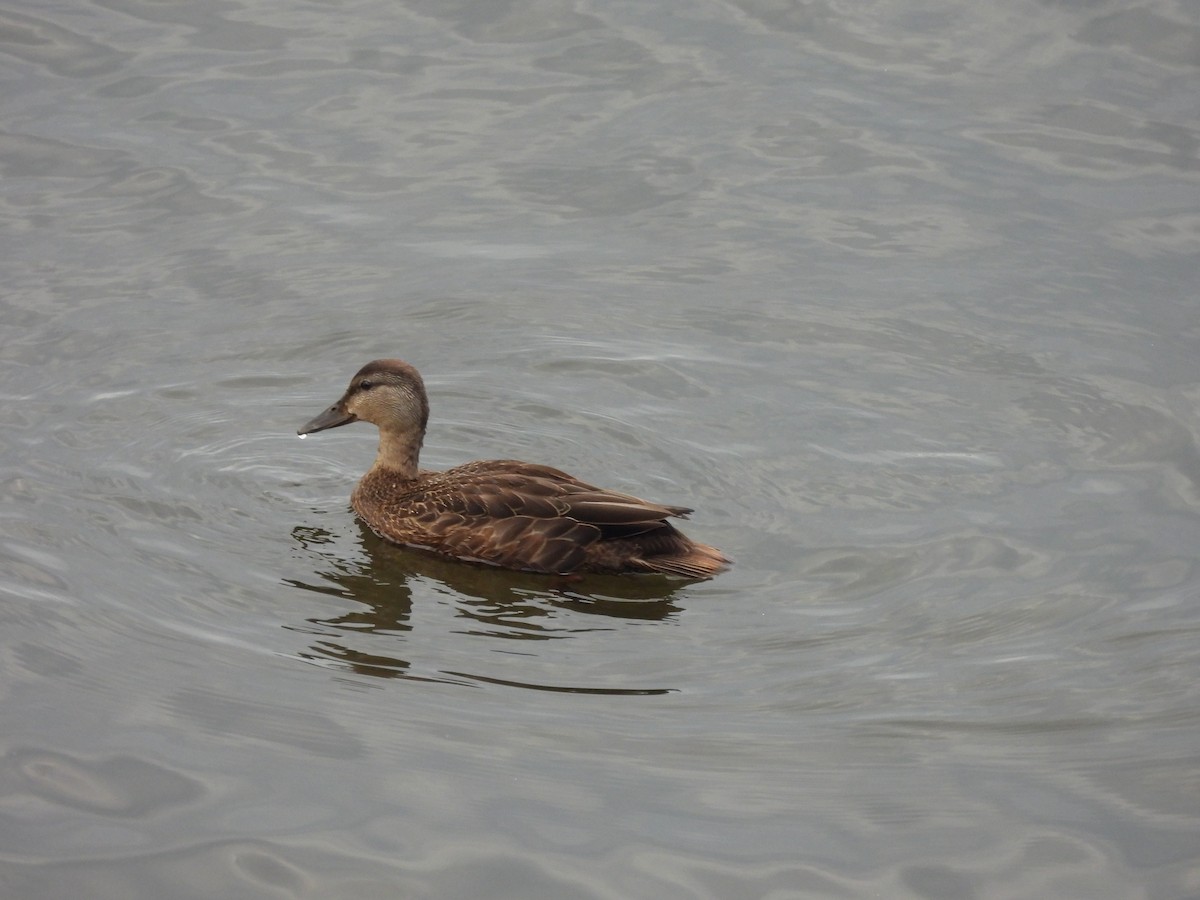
[{"x": 331, "y": 418}]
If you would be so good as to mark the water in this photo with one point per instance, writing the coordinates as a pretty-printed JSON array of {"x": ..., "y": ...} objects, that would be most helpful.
[{"x": 900, "y": 297}]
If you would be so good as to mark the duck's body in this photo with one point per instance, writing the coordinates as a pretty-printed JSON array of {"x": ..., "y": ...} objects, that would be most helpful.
[{"x": 503, "y": 512}]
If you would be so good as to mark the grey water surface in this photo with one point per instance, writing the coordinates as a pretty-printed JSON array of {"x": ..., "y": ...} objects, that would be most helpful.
[{"x": 900, "y": 296}]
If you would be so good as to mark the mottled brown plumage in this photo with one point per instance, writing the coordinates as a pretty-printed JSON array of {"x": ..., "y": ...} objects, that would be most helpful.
[{"x": 503, "y": 512}]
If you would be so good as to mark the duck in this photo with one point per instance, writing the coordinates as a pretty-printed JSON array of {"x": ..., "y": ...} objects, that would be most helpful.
[{"x": 501, "y": 512}]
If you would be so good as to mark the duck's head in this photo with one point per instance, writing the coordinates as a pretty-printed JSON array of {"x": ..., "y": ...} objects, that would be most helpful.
[{"x": 387, "y": 393}]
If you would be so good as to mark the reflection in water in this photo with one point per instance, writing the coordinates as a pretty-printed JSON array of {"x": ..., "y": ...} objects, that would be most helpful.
[
  {"x": 563, "y": 689},
  {"x": 497, "y": 603}
]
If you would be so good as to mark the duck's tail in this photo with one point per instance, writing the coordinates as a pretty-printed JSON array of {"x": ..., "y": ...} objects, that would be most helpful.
[{"x": 696, "y": 561}]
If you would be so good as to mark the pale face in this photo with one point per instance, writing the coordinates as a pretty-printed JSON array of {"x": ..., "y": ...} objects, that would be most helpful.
[{"x": 388, "y": 393}]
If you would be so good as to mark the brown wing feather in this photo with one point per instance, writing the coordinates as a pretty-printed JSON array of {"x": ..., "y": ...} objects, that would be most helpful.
[{"x": 526, "y": 516}]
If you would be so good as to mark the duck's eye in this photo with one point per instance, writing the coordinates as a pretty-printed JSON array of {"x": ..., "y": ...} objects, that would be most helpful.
[{"x": 365, "y": 385}]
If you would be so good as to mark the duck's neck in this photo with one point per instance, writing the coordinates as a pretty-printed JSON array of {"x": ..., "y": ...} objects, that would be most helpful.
[{"x": 399, "y": 453}]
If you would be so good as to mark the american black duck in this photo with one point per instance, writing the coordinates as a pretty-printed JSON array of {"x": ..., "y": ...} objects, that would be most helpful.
[{"x": 503, "y": 512}]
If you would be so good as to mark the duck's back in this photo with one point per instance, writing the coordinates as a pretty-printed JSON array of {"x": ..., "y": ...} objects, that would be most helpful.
[{"x": 530, "y": 517}]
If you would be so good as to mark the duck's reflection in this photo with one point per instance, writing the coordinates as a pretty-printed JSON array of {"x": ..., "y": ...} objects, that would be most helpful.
[{"x": 491, "y": 602}]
